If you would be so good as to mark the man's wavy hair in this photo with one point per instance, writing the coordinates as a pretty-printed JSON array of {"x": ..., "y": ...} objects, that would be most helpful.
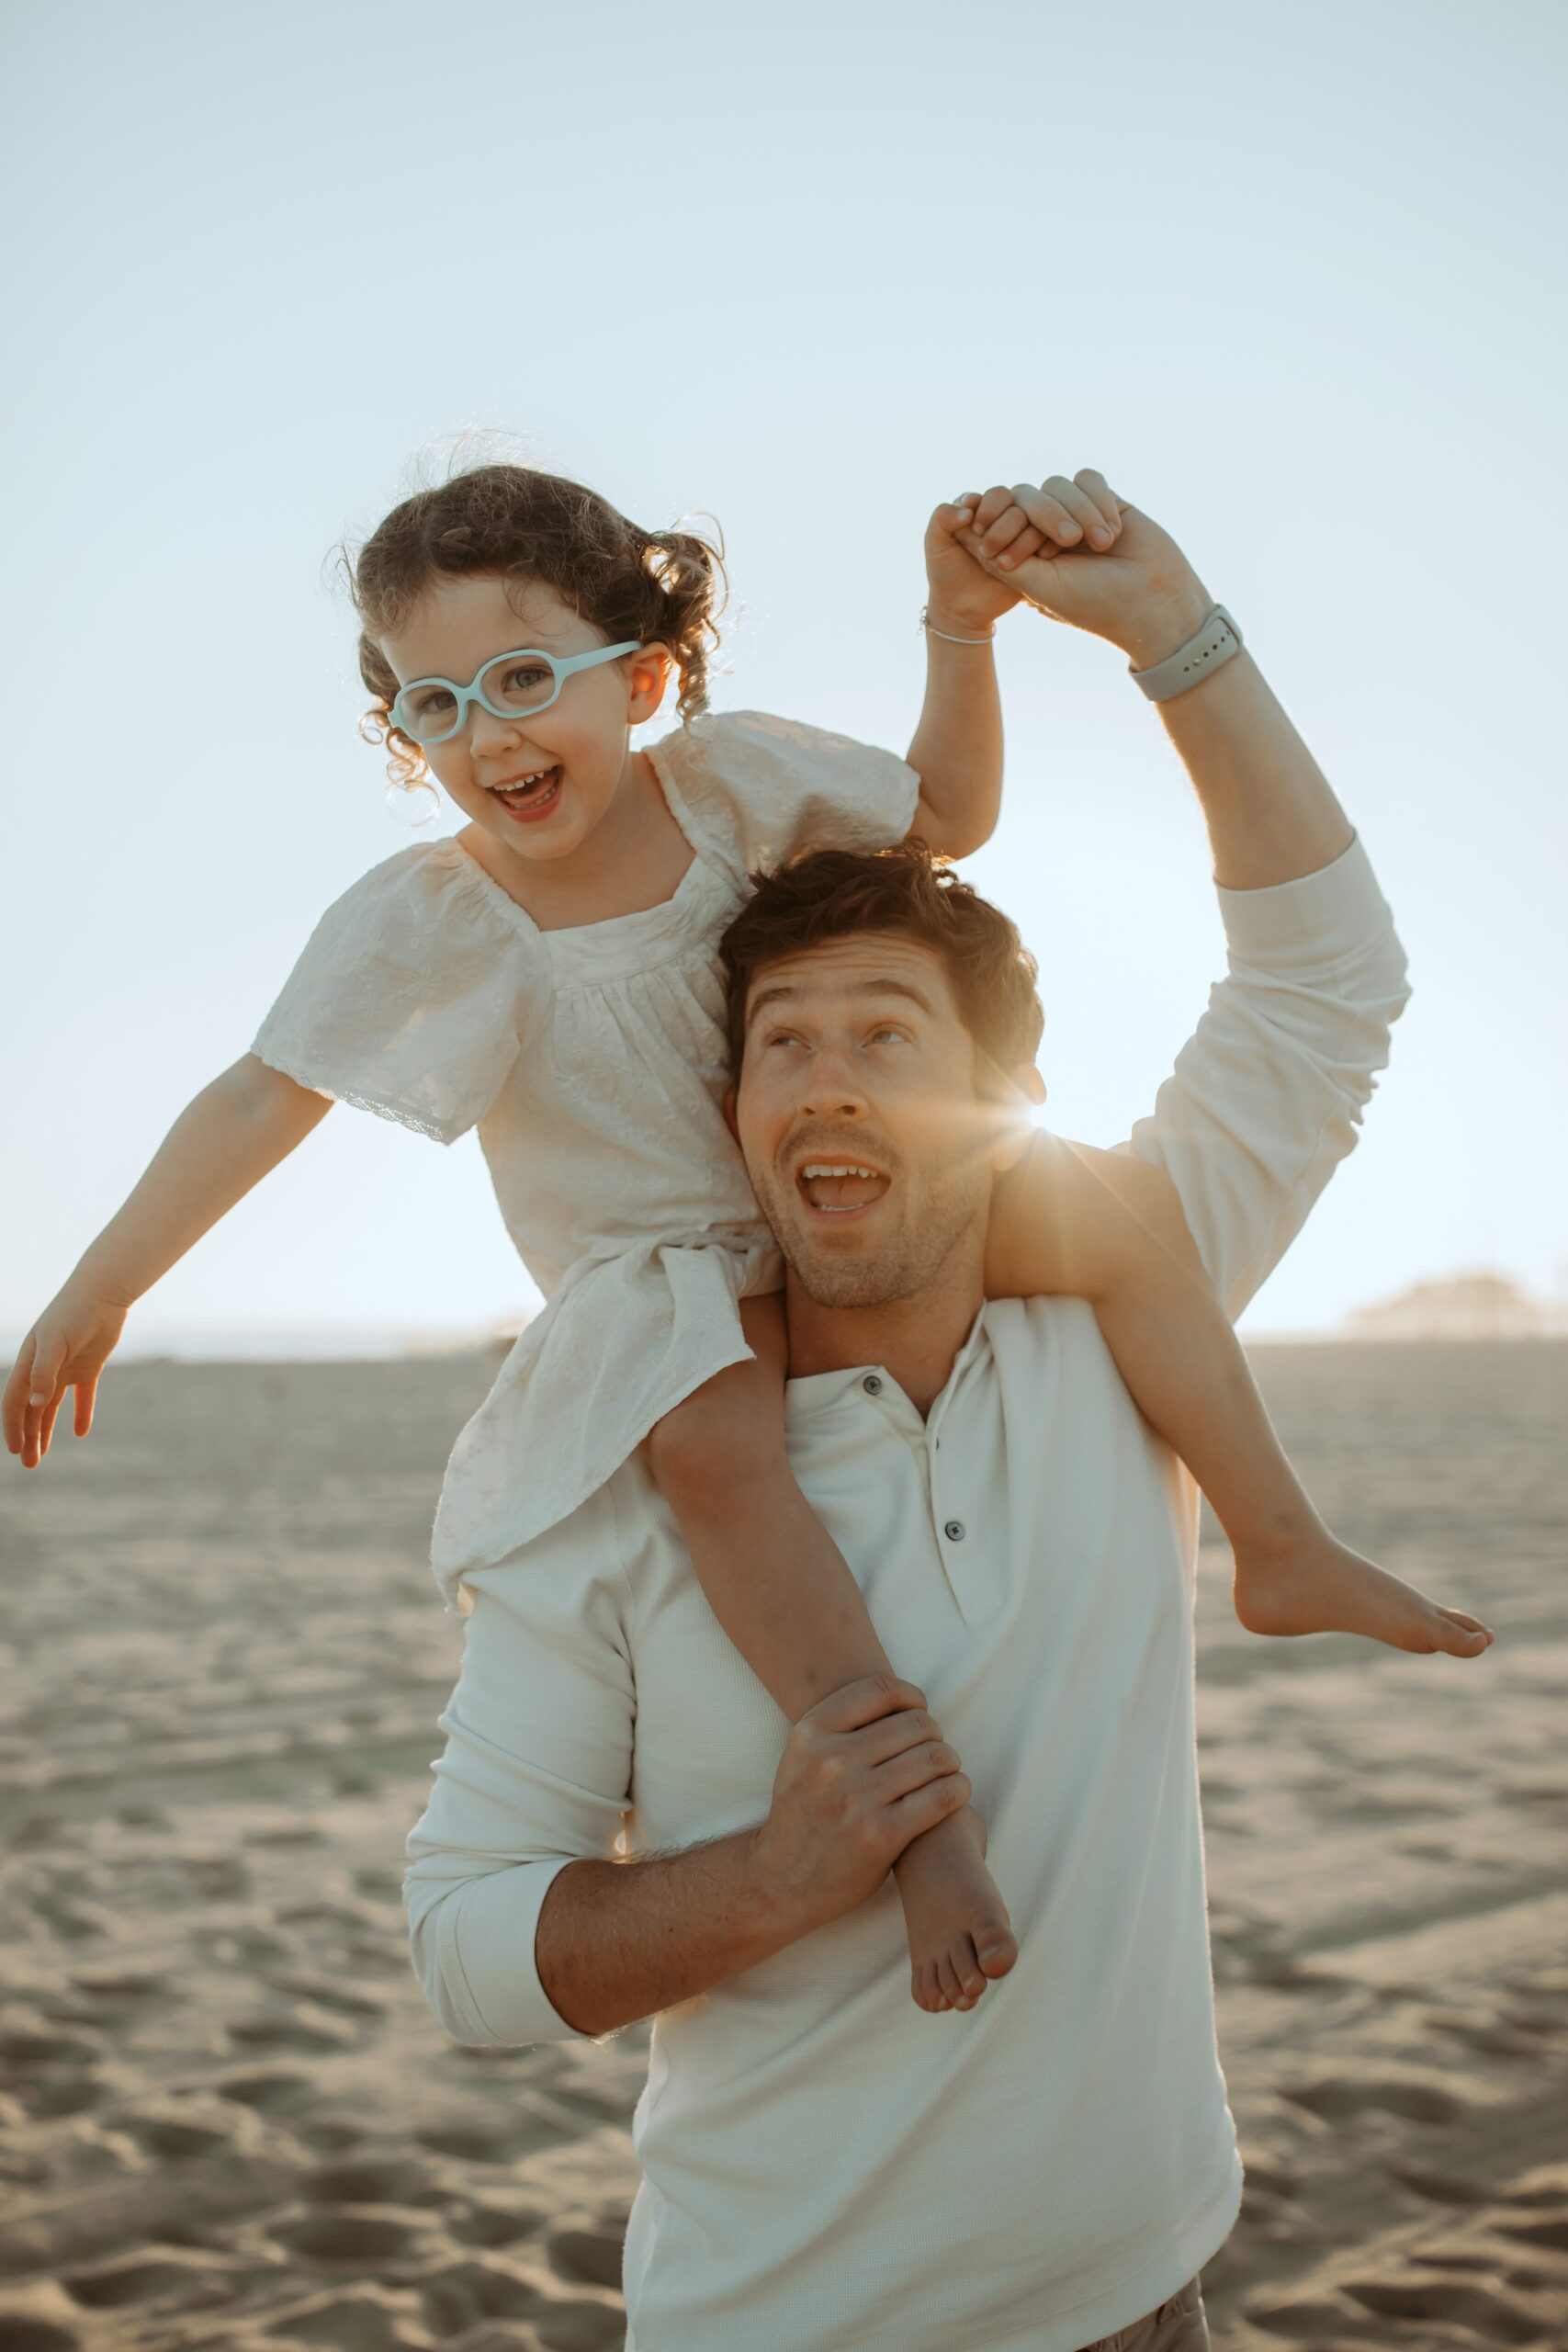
[{"x": 825, "y": 894}]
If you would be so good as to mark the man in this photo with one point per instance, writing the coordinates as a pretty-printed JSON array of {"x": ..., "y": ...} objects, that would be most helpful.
[{"x": 620, "y": 1826}]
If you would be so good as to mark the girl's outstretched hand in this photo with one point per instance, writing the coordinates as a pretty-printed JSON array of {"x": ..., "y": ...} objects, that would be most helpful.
[
  {"x": 1080, "y": 554},
  {"x": 67, "y": 1348}
]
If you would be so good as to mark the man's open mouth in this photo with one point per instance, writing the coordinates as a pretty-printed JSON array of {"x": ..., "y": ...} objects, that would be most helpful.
[
  {"x": 838, "y": 1187},
  {"x": 531, "y": 796}
]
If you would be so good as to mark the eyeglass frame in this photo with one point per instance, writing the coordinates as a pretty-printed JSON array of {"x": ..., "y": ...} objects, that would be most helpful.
[{"x": 561, "y": 668}]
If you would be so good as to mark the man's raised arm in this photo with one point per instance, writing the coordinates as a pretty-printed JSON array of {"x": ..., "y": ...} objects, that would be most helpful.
[{"x": 1267, "y": 1097}]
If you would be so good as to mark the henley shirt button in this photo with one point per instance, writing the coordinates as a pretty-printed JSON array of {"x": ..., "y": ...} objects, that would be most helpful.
[
  {"x": 872, "y": 1384},
  {"x": 953, "y": 1531}
]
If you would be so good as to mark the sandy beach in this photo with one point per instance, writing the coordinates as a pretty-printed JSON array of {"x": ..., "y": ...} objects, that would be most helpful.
[{"x": 228, "y": 2122}]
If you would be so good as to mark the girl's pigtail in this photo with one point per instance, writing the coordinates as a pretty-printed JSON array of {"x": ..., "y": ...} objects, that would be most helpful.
[
  {"x": 688, "y": 572},
  {"x": 407, "y": 768}
]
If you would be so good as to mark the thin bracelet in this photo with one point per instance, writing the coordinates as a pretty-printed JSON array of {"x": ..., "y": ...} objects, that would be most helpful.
[{"x": 946, "y": 636}]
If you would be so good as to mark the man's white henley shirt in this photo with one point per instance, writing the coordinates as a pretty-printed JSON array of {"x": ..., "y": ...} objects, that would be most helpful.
[{"x": 825, "y": 2167}]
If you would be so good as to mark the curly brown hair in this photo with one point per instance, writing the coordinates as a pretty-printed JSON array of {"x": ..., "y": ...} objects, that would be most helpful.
[
  {"x": 663, "y": 587},
  {"x": 825, "y": 894}
]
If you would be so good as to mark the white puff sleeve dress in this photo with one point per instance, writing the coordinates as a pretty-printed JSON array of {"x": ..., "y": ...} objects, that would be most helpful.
[{"x": 592, "y": 1062}]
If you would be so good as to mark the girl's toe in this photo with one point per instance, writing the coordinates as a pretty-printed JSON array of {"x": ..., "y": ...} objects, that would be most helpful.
[
  {"x": 1463, "y": 1635},
  {"x": 957, "y": 1997},
  {"x": 966, "y": 1966}
]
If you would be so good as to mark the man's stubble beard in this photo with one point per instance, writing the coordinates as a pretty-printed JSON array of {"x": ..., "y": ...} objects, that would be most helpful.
[{"x": 909, "y": 1262}]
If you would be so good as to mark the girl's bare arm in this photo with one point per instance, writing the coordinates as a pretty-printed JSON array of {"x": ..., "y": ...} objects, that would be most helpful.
[
  {"x": 234, "y": 1133},
  {"x": 957, "y": 748}
]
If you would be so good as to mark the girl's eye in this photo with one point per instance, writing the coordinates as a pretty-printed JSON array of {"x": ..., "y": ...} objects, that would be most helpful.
[
  {"x": 432, "y": 698},
  {"x": 880, "y": 1036},
  {"x": 525, "y": 678}
]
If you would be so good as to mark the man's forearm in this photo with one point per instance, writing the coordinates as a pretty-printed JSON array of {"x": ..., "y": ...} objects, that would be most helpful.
[
  {"x": 1270, "y": 811},
  {"x": 620, "y": 1940}
]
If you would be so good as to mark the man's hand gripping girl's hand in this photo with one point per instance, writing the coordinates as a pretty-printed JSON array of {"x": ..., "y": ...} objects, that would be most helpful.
[
  {"x": 976, "y": 545},
  {"x": 1058, "y": 550}
]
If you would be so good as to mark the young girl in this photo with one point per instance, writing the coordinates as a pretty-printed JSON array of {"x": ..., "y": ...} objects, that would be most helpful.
[{"x": 550, "y": 975}]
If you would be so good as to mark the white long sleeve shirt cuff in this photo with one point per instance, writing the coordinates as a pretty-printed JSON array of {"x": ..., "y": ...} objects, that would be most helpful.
[
  {"x": 472, "y": 1943},
  {"x": 1314, "y": 918}
]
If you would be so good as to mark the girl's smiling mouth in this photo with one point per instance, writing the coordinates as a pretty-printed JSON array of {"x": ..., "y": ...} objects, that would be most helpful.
[{"x": 527, "y": 798}]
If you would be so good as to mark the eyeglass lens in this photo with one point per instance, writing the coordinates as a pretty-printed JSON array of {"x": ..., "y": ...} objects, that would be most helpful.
[{"x": 513, "y": 683}]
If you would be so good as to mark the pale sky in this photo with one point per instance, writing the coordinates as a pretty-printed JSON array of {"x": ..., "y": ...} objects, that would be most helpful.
[{"x": 1290, "y": 276}]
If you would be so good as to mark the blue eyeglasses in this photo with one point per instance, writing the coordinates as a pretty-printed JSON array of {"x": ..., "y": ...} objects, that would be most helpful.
[{"x": 512, "y": 685}]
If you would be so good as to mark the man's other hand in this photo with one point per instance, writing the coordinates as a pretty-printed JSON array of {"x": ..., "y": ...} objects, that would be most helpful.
[{"x": 865, "y": 1772}]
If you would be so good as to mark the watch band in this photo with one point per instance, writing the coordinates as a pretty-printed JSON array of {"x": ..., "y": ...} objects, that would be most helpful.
[{"x": 1215, "y": 644}]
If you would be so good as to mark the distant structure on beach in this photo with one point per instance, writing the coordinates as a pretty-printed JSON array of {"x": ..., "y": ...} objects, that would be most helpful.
[{"x": 1480, "y": 1305}]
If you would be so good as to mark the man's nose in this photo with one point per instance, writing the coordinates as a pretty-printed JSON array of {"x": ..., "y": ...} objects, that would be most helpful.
[{"x": 834, "y": 1088}]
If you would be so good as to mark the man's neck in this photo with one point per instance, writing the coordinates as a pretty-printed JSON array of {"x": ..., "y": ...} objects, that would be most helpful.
[{"x": 915, "y": 1339}]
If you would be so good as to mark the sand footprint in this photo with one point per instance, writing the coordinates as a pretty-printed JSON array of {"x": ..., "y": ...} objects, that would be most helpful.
[
  {"x": 381, "y": 1886},
  {"x": 329, "y": 2132},
  {"x": 30, "y": 2047},
  {"x": 1463, "y": 2302},
  {"x": 1551, "y": 2231},
  {"x": 350, "y": 2234},
  {"x": 365, "y": 2318},
  {"x": 216, "y": 1878},
  {"x": 579, "y": 2326},
  {"x": 591, "y": 2256},
  {"x": 1440, "y": 2188},
  {"x": 119, "y": 1985},
  {"x": 289, "y": 2031},
  {"x": 368, "y": 2181},
  {"x": 327, "y": 1996},
  {"x": 1304, "y": 2320},
  {"x": 19, "y": 2332},
  {"x": 275, "y": 2092},
  {"x": 1338, "y": 2098},
  {"x": 1494, "y": 2040},
  {"x": 51, "y": 2073},
  {"x": 461, "y": 2294},
  {"x": 175, "y": 2138},
  {"x": 184, "y": 2278},
  {"x": 469, "y": 2142},
  {"x": 485, "y": 2225}
]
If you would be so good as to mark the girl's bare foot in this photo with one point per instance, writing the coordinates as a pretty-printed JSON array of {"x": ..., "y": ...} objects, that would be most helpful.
[
  {"x": 1308, "y": 1583},
  {"x": 960, "y": 1936}
]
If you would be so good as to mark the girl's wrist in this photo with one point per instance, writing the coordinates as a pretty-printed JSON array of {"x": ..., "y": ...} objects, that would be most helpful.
[
  {"x": 942, "y": 621},
  {"x": 88, "y": 1285}
]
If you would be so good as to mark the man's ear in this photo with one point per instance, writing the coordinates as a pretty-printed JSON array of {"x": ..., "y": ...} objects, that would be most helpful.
[
  {"x": 648, "y": 674},
  {"x": 731, "y": 1118}
]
